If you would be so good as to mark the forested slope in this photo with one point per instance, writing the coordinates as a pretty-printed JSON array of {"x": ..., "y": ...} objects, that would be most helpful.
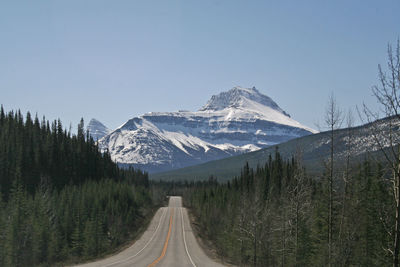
[{"x": 315, "y": 149}]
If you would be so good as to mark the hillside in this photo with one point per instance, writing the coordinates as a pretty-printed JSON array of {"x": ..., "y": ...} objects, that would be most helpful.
[{"x": 314, "y": 149}]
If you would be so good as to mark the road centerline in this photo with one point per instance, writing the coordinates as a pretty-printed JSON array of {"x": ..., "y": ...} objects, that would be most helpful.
[{"x": 164, "y": 251}]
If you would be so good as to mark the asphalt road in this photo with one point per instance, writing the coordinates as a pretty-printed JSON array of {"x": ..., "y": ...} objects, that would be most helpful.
[{"x": 168, "y": 241}]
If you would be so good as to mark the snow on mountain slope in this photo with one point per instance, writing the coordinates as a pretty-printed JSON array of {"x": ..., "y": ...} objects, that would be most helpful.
[
  {"x": 235, "y": 97},
  {"x": 97, "y": 130},
  {"x": 237, "y": 121}
]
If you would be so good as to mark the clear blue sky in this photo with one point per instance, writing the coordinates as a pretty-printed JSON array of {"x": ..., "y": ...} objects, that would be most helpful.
[{"x": 113, "y": 60}]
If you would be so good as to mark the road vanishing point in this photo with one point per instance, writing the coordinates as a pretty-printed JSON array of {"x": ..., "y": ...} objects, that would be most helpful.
[{"x": 168, "y": 241}]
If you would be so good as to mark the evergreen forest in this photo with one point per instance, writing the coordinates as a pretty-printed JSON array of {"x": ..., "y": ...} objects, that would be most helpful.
[
  {"x": 61, "y": 200},
  {"x": 277, "y": 215}
]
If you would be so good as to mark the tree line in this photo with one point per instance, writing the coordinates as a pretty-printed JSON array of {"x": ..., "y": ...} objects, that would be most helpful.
[
  {"x": 277, "y": 215},
  {"x": 61, "y": 200}
]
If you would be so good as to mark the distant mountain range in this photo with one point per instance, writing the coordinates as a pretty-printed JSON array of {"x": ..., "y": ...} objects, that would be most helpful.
[
  {"x": 314, "y": 150},
  {"x": 231, "y": 123}
]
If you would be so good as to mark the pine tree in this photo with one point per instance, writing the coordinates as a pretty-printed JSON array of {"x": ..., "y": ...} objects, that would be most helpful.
[
  {"x": 77, "y": 237},
  {"x": 15, "y": 233}
]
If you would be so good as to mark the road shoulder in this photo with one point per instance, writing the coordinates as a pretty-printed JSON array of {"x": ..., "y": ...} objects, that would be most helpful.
[
  {"x": 134, "y": 236},
  {"x": 206, "y": 245}
]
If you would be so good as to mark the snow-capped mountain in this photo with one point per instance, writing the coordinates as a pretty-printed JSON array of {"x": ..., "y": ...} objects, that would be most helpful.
[
  {"x": 233, "y": 122},
  {"x": 97, "y": 130}
]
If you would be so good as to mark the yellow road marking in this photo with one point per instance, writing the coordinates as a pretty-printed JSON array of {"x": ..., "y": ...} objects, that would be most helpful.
[{"x": 165, "y": 244}]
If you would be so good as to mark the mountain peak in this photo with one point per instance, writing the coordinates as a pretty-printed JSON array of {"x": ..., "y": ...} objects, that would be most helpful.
[
  {"x": 97, "y": 129},
  {"x": 94, "y": 121},
  {"x": 238, "y": 97}
]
